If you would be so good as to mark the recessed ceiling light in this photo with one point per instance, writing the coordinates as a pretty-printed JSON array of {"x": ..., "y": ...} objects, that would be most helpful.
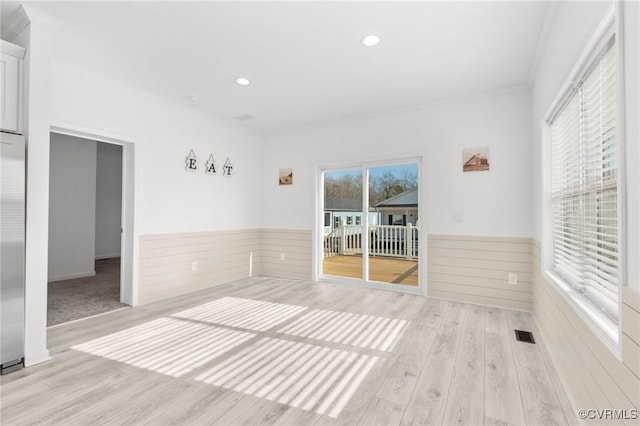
[
  {"x": 370, "y": 40},
  {"x": 243, "y": 81}
]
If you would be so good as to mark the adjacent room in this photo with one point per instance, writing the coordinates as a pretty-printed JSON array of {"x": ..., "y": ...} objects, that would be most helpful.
[
  {"x": 85, "y": 211},
  {"x": 320, "y": 212}
]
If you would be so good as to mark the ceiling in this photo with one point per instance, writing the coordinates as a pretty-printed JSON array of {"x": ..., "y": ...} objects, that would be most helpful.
[{"x": 304, "y": 59}]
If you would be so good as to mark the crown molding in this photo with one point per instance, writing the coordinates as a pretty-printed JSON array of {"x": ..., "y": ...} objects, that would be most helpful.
[
  {"x": 15, "y": 24},
  {"x": 23, "y": 17},
  {"x": 39, "y": 18}
]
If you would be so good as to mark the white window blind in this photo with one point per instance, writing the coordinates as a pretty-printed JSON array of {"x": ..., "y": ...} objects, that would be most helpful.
[{"x": 584, "y": 151}]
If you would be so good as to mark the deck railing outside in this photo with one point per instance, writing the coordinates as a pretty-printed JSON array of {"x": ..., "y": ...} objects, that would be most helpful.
[{"x": 384, "y": 240}]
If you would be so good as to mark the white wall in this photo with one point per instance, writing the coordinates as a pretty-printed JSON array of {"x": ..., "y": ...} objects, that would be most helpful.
[
  {"x": 85, "y": 201},
  {"x": 574, "y": 25},
  {"x": 36, "y": 34},
  {"x": 592, "y": 374},
  {"x": 632, "y": 136},
  {"x": 169, "y": 199},
  {"x": 493, "y": 203},
  {"x": 108, "y": 200},
  {"x": 72, "y": 207}
]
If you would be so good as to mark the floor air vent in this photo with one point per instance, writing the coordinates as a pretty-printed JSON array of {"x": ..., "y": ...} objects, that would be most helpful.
[{"x": 524, "y": 336}]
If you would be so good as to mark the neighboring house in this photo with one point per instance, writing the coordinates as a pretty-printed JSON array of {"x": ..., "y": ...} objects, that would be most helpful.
[
  {"x": 348, "y": 211},
  {"x": 400, "y": 209}
]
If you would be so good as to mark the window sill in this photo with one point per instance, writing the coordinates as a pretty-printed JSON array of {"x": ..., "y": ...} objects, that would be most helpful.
[{"x": 603, "y": 326}]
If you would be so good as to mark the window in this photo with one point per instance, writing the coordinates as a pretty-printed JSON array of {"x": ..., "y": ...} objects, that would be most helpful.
[
  {"x": 398, "y": 220},
  {"x": 327, "y": 219},
  {"x": 349, "y": 220},
  {"x": 358, "y": 220},
  {"x": 584, "y": 187}
]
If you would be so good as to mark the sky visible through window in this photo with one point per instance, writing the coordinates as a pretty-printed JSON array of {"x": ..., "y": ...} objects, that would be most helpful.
[
  {"x": 397, "y": 170},
  {"x": 384, "y": 182}
]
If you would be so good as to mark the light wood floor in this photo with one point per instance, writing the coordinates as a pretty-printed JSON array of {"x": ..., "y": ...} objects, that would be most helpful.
[
  {"x": 273, "y": 351},
  {"x": 381, "y": 269}
]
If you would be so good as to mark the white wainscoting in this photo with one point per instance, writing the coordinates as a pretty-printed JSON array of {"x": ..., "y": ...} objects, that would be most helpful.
[
  {"x": 461, "y": 268},
  {"x": 294, "y": 246},
  {"x": 476, "y": 270},
  {"x": 166, "y": 261},
  {"x": 592, "y": 375}
]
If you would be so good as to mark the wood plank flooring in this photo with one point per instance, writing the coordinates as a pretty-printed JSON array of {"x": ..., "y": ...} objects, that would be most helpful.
[
  {"x": 266, "y": 351},
  {"x": 381, "y": 269}
]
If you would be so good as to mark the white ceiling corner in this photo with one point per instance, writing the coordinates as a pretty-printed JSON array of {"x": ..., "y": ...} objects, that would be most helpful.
[{"x": 547, "y": 23}]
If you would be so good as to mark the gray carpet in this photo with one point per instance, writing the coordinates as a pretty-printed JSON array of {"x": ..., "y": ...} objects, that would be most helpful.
[{"x": 83, "y": 297}]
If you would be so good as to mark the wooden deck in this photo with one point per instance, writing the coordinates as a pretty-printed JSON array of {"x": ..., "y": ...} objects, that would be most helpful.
[{"x": 382, "y": 269}]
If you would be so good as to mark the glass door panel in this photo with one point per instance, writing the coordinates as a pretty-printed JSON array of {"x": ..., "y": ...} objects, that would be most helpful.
[
  {"x": 393, "y": 224},
  {"x": 343, "y": 223}
]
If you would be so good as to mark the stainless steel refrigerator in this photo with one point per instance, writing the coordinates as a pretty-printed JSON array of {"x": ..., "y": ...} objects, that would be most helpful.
[{"x": 12, "y": 251}]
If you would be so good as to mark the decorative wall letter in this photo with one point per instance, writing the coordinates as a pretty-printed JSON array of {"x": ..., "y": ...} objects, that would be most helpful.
[
  {"x": 210, "y": 168},
  {"x": 191, "y": 161},
  {"x": 227, "y": 168}
]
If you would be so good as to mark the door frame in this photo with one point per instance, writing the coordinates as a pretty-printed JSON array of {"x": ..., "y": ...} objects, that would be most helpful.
[
  {"x": 129, "y": 234},
  {"x": 318, "y": 214}
]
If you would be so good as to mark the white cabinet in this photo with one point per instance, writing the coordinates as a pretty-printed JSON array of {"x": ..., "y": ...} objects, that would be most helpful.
[{"x": 11, "y": 87}]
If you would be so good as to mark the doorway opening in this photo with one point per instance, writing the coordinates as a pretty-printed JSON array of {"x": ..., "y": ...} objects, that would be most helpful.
[
  {"x": 370, "y": 225},
  {"x": 85, "y": 228}
]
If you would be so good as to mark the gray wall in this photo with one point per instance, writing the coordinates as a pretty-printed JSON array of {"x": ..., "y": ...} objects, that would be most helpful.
[
  {"x": 72, "y": 207},
  {"x": 108, "y": 200}
]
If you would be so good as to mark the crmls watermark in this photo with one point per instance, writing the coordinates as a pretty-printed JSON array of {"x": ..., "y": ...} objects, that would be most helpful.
[{"x": 608, "y": 414}]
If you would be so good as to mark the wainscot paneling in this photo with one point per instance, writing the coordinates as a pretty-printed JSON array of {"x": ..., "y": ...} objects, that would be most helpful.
[
  {"x": 476, "y": 270},
  {"x": 167, "y": 261},
  {"x": 287, "y": 253},
  {"x": 593, "y": 376}
]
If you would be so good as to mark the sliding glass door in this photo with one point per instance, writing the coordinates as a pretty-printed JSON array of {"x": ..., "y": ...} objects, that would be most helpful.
[
  {"x": 393, "y": 236},
  {"x": 342, "y": 245},
  {"x": 371, "y": 224}
]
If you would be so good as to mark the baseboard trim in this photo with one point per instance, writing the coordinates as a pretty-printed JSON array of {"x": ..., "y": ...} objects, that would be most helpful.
[
  {"x": 89, "y": 317},
  {"x": 72, "y": 276},
  {"x": 33, "y": 359},
  {"x": 107, "y": 256},
  {"x": 478, "y": 304}
]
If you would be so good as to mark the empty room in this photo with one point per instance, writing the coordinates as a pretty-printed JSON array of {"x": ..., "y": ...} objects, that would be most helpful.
[{"x": 320, "y": 213}]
